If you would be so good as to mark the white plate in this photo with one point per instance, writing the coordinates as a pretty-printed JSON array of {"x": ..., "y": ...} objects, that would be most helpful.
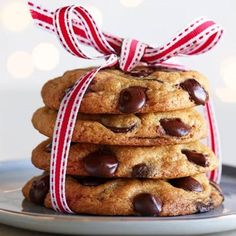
[{"x": 16, "y": 211}]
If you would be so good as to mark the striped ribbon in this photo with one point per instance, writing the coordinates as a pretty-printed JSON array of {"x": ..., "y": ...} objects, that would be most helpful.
[{"x": 74, "y": 26}]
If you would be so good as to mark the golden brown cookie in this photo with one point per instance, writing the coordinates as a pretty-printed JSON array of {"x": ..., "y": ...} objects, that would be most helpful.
[
  {"x": 143, "y": 90},
  {"x": 164, "y": 162},
  {"x": 131, "y": 196},
  {"x": 165, "y": 128}
]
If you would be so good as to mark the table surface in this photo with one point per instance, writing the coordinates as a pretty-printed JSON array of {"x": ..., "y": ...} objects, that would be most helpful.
[{"x": 11, "y": 231}]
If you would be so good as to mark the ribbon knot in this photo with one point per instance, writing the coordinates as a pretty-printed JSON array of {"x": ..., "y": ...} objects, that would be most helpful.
[{"x": 132, "y": 52}]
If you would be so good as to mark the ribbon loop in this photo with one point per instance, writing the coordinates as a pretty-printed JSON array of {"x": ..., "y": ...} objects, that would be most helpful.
[
  {"x": 64, "y": 30},
  {"x": 93, "y": 33},
  {"x": 197, "y": 38},
  {"x": 63, "y": 25}
]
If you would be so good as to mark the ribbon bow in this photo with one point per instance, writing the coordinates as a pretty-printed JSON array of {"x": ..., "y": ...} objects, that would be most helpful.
[{"x": 74, "y": 26}]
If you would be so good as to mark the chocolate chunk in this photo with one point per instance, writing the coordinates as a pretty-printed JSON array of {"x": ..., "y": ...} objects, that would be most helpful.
[
  {"x": 202, "y": 207},
  {"x": 187, "y": 183},
  {"x": 89, "y": 89},
  {"x": 217, "y": 187},
  {"x": 39, "y": 190},
  {"x": 121, "y": 129},
  {"x": 147, "y": 204},
  {"x": 196, "y": 92},
  {"x": 195, "y": 157},
  {"x": 48, "y": 148},
  {"x": 146, "y": 71},
  {"x": 90, "y": 181},
  {"x": 167, "y": 69},
  {"x": 140, "y": 171},
  {"x": 175, "y": 127},
  {"x": 101, "y": 163},
  {"x": 132, "y": 99},
  {"x": 157, "y": 80},
  {"x": 142, "y": 71},
  {"x": 69, "y": 89}
]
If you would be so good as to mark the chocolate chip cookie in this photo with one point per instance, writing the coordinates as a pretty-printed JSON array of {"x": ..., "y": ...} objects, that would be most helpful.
[
  {"x": 143, "y": 90},
  {"x": 165, "y": 128},
  {"x": 164, "y": 162},
  {"x": 101, "y": 196}
]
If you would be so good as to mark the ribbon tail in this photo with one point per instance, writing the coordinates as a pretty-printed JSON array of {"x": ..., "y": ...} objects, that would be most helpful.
[
  {"x": 63, "y": 131},
  {"x": 213, "y": 140}
]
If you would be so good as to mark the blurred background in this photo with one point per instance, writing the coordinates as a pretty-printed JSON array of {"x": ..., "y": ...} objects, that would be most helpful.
[{"x": 30, "y": 56}]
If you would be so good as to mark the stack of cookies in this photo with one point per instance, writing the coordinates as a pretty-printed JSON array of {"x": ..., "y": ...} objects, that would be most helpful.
[{"x": 135, "y": 149}]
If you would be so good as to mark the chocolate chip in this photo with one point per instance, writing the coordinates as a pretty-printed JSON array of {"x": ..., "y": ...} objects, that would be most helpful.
[
  {"x": 48, "y": 148},
  {"x": 67, "y": 90},
  {"x": 195, "y": 157},
  {"x": 147, "y": 204},
  {"x": 157, "y": 80},
  {"x": 146, "y": 71},
  {"x": 90, "y": 181},
  {"x": 196, "y": 92},
  {"x": 217, "y": 187},
  {"x": 187, "y": 183},
  {"x": 175, "y": 127},
  {"x": 167, "y": 69},
  {"x": 101, "y": 164},
  {"x": 142, "y": 71},
  {"x": 140, "y": 171},
  {"x": 39, "y": 190},
  {"x": 203, "y": 207},
  {"x": 89, "y": 89},
  {"x": 132, "y": 99},
  {"x": 121, "y": 129}
]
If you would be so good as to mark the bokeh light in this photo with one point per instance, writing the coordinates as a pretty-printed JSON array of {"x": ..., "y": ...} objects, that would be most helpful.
[
  {"x": 45, "y": 56},
  {"x": 131, "y": 3},
  {"x": 15, "y": 16},
  {"x": 227, "y": 71},
  {"x": 226, "y": 95},
  {"x": 96, "y": 14},
  {"x": 19, "y": 64}
]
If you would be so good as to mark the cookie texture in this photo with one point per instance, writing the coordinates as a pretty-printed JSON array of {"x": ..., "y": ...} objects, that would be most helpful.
[
  {"x": 164, "y": 128},
  {"x": 143, "y": 90},
  {"x": 164, "y": 162},
  {"x": 130, "y": 196}
]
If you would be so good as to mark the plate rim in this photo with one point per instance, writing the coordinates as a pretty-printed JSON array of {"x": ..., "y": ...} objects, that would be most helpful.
[{"x": 68, "y": 217}]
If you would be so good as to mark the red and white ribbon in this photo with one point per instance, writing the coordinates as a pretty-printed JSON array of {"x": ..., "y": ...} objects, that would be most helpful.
[
  {"x": 213, "y": 140},
  {"x": 74, "y": 26}
]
